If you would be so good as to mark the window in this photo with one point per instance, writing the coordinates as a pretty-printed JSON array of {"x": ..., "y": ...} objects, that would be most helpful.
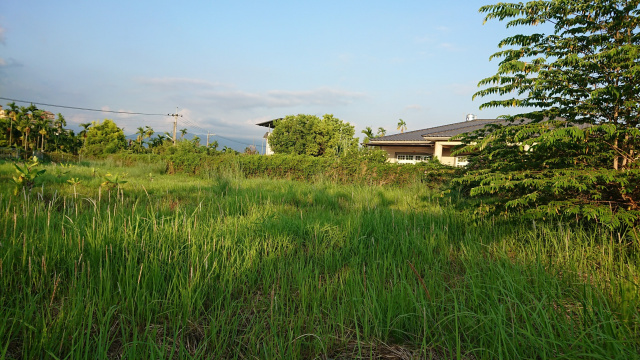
[
  {"x": 462, "y": 161},
  {"x": 412, "y": 159}
]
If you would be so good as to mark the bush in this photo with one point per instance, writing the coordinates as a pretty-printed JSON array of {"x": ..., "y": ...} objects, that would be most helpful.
[{"x": 362, "y": 167}]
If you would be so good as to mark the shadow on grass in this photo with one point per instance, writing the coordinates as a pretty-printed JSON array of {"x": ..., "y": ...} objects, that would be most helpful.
[{"x": 235, "y": 268}]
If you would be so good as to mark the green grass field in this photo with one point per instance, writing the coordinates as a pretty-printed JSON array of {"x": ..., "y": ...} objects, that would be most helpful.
[{"x": 170, "y": 266}]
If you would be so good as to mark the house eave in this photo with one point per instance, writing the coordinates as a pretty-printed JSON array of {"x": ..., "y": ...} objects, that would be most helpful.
[
  {"x": 436, "y": 138},
  {"x": 402, "y": 143}
]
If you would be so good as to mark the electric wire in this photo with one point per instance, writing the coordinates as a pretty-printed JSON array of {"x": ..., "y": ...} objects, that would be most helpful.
[
  {"x": 189, "y": 123},
  {"x": 85, "y": 109},
  {"x": 192, "y": 125}
]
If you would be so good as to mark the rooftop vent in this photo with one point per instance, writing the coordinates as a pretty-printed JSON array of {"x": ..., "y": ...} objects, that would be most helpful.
[{"x": 471, "y": 117}]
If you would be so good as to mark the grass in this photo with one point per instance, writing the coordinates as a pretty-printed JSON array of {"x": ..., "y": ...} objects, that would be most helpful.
[{"x": 225, "y": 267}]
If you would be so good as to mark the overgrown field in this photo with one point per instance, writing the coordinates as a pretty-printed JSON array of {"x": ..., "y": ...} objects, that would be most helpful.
[{"x": 172, "y": 266}]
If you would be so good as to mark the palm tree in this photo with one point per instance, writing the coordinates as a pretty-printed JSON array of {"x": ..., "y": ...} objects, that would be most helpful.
[
  {"x": 141, "y": 131},
  {"x": 368, "y": 133},
  {"x": 148, "y": 132},
  {"x": 402, "y": 126},
  {"x": 24, "y": 118},
  {"x": 183, "y": 132},
  {"x": 157, "y": 141},
  {"x": 58, "y": 124},
  {"x": 44, "y": 124},
  {"x": 85, "y": 130},
  {"x": 13, "y": 117},
  {"x": 381, "y": 131}
]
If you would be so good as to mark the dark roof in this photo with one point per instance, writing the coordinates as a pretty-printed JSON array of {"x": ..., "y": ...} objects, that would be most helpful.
[
  {"x": 270, "y": 124},
  {"x": 450, "y": 130},
  {"x": 415, "y": 135},
  {"x": 443, "y": 131}
]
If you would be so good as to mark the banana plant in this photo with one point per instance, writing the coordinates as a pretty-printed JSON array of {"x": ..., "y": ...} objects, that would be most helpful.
[
  {"x": 26, "y": 175},
  {"x": 111, "y": 181}
]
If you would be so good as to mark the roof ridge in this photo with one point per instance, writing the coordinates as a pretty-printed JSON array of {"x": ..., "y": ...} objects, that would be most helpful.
[
  {"x": 467, "y": 125},
  {"x": 402, "y": 133},
  {"x": 426, "y": 131}
]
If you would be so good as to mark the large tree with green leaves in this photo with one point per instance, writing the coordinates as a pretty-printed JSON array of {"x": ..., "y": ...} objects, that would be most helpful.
[
  {"x": 575, "y": 150},
  {"x": 104, "y": 138},
  {"x": 311, "y": 135}
]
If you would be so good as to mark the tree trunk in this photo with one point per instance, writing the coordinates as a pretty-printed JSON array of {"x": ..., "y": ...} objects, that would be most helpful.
[{"x": 615, "y": 158}]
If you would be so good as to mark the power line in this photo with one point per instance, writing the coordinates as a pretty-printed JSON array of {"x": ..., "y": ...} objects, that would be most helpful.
[
  {"x": 192, "y": 125},
  {"x": 189, "y": 123},
  {"x": 239, "y": 142},
  {"x": 81, "y": 108}
]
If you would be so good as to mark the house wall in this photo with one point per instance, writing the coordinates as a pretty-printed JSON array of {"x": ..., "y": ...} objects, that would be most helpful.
[
  {"x": 393, "y": 151},
  {"x": 268, "y": 150},
  {"x": 442, "y": 151}
]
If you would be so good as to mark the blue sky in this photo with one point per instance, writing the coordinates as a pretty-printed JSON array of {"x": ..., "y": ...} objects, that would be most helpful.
[{"x": 228, "y": 65}]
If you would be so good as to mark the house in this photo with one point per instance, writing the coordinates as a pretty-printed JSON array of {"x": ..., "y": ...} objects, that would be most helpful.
[
  {"x": 415, "y": 146},
  {"x": 270, "y": 125}
]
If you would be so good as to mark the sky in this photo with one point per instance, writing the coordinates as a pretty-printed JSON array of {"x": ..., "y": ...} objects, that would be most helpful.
[{"x": 228, "y": 65}]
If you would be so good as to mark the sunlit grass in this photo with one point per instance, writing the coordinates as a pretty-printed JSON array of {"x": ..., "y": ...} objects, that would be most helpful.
[{"x": 168, "y": 266}]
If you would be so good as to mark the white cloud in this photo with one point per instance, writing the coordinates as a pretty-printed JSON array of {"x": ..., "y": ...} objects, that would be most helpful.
[
  {"x": 424, "y": 39},
  {"x": 181, "y": 83},
  {"x": 236, "y": 100},
  {"x": 125, "y": 116},
  {"x": 450, "y": 46},
  {"x": 413, "y": 107},
  {"x": 10, "y": 62},
  {"x": 467, "y": 89},
  {"x": 346, "y": 58},
  {"x": 225, "y": 96}
]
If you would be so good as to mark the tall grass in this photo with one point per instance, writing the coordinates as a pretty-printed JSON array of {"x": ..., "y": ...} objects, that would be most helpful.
[{"x": 226, "y": 267}]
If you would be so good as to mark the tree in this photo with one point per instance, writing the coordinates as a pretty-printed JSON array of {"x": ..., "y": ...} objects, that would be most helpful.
[
  {"x": 228, "y": 150},
  {"x": 26, "y": 122},
  {"x": 381, "y": 132},
  {"x": 213, "y": 145},
  {"x": 13, "y": 118},
  {"x": 83, "y": 133},
  {"x": 148, "y": 132},
  {"x": 104, "y": 138},
  {"x": 576, "y": 153},
  {"x": 402, "y": 126},
  {"x": 310, "y": 135},
  {"x": 141, "y": 133},
  {"x": 183, "y": 132},
  {"x": 43, "y": 124},
  {"x": 368, "y": 134},
  {"x": 34, "y": 126},
  {"x": 250, "y": 150}
]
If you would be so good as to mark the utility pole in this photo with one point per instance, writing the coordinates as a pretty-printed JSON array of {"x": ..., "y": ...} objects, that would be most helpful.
[
  {"x": 175, "y": 124},
  {"x": 207, "y": 138}
]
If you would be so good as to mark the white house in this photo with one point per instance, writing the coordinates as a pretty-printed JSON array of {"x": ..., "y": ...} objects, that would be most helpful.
[{"x": 425, "y": 144}]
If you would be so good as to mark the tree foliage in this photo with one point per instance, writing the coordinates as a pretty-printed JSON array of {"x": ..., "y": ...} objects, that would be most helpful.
[
  {"x": 402, "y": 125},
  {"x": 31, "y": 129},
  {"x": 576, "y": 152},
  {"x": 104, "y": 138},
  {"x": 311, "y": 135}
]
